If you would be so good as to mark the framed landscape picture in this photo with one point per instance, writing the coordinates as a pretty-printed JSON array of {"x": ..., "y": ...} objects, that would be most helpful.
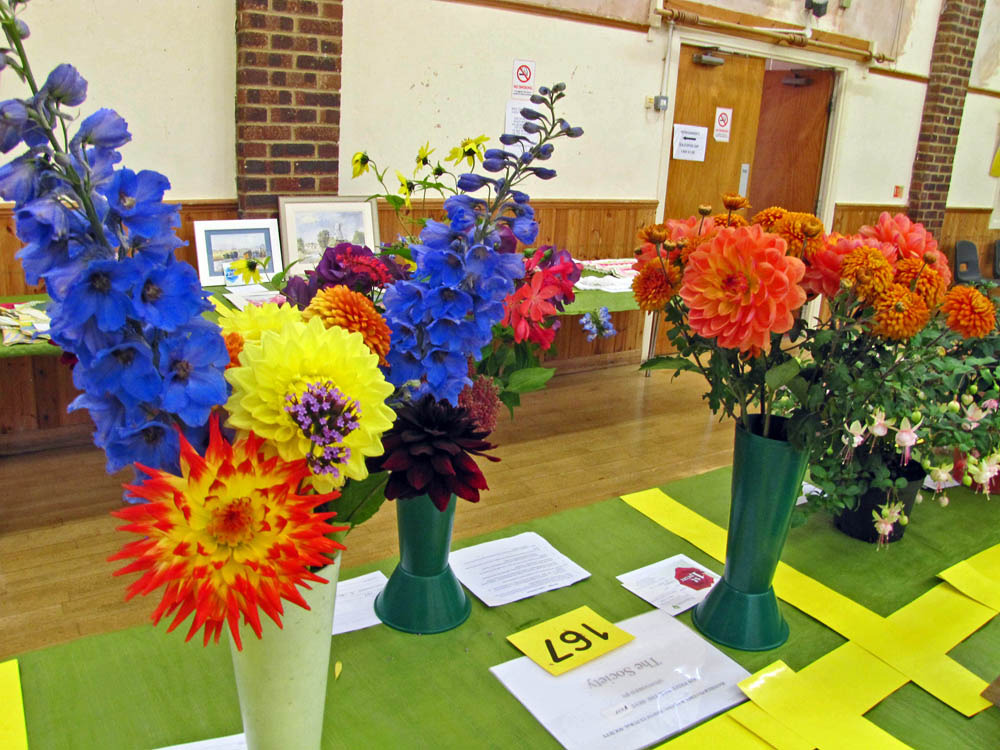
[
  {"x": 220, "y": 243},
  {"x": 310, "y": 224}
]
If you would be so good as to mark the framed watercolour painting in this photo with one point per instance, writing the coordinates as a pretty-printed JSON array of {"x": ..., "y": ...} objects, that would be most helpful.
[
  {"x": 221, "y": 243},
  {"x": 312, "y": 223}
]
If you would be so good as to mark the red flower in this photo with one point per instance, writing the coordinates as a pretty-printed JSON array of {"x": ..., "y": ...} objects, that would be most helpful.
[
  {"x": 911, "y": 240},
  {"x": 526, "y": 309}
]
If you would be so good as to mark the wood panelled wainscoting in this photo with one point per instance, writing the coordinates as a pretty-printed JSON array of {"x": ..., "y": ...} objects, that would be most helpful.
[{"x": 36, "y": 390}]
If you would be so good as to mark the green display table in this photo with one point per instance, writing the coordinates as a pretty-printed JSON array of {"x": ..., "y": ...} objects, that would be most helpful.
[{"x": 142, "y": 688}]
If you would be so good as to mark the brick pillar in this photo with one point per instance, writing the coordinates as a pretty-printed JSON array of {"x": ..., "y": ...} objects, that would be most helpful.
[
  {"x": 287, "y": 100},
  {"x": 951, "y": 63}
]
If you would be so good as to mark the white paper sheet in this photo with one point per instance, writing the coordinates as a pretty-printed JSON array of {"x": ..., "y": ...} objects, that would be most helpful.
[
  {"x": 606, "y": 283},
  {"x": 354, "y": 608},
  {"x": 690, "y": 142},
  {"x": 665, "y": 680},
  {"x": 506, "y": 570},
  {"x": 674, "y": 585},
  {"x": 241, "y": 296},
  {"x": 232, "y": 742}
]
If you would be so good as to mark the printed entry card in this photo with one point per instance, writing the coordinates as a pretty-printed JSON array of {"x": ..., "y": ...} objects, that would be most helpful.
[
  {"x": 667, "y": 679},
  {"x": 674, "y": 585},
  {"x": 506, "y": 570}
]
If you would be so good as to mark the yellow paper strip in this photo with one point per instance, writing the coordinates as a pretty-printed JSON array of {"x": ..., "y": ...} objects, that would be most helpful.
[
  {"x": 720, "y": 732},
  {"x": 965, "y": 577},
  {"x": 13, "y": 732},
  {"x": 767, "y": 728},
  {"x": 905, "y": 648},
  {"x": 811, "y": 711},
  {"x": 987, "y": 562}
]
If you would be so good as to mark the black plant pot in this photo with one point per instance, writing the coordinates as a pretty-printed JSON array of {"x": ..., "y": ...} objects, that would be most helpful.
[{"x": 859, "y": 523}]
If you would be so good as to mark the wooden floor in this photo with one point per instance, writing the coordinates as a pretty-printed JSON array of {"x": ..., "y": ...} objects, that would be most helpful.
[{"x": 588, "y": 437}]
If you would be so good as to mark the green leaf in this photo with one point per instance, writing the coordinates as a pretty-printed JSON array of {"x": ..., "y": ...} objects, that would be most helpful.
[
  {"x": 359, "y": 499},
  {"x": 781, "y": 375},
  {"x": 799, "y": 388},
  {"x": 668, "y": 363},
  {"x": 510, "y": 399},
  {"x": 530, "y": 379},
  {"x": 395, "y": 201}
]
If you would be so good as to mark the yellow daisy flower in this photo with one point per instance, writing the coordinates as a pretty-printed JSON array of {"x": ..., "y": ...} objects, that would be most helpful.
[
  {"x": 470, "y": 149},
  {"x": 359, "y": 164},
  {"x": 405, "y": 187},
  {"x": 277, "y": 370},
  {"x": 248, "y": 268},
  {"x": 424, "y": 157}
]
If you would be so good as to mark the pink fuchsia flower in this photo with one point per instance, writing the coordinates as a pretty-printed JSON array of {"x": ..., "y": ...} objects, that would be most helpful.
[
  {"x": 886, "y": 517},
  {"x": 880, "y": 425},
  {"x": 906, "y": 437},
  {"x": 991, "y": 404},
  {"x": 973, "y": 416},
  {"x": 982, "y": 470}
]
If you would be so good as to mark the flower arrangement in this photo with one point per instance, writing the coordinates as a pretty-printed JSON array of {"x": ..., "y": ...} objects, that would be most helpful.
[{"x": 867, "y": 382}]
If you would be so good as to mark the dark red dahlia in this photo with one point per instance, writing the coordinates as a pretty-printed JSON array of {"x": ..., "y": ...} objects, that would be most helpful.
[{"x": 429, "y": 452}]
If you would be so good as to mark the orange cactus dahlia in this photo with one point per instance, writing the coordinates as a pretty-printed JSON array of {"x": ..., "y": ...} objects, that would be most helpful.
[
  {"x": 227, "y": 538},
  {"x": 742, "y": 287},
  {"x": 352, "y": 311},
  {"x": 655, "y": 284},
  {"x": 900, "y": 313},
  {"x": 969, "y": 312}
]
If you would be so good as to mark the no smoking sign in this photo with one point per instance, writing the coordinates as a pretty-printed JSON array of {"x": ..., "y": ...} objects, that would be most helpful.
[
  {"x": 523, "y": 79},
  {"x": 723, "y": 124}
]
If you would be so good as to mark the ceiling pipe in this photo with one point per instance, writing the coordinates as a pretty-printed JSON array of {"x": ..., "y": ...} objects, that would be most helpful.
[{"x": 791, "y": 38}]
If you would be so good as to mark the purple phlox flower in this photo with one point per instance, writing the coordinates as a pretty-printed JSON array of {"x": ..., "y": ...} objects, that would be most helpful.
[
  {"x": 125, "y": 371},
  {"x": 192, "y": 361},
  {"x": 167, "y": 296},
  {"x": 154, "y": 444},
  {"x": 136, "y": 199},
  {"x": 13, "y": 116},
  {"x": 66, "y": 86},
  {"x": 103, "y": 293},
  {"x": 326, "y": 416}
]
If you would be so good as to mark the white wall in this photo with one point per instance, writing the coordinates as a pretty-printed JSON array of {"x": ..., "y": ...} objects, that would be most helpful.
[
  {"x": 167, "y": 67},
  {"x": 971, "y": 184},
  {"x": 441, "y": 71}
]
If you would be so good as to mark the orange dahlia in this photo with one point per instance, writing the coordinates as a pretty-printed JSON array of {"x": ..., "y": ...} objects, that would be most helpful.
[
  {"x": 352, "y": 311},
  {"x": 867, "y": 272},
  {"x": 803, "y": 233},
  {"x": 655, "y": 233},
  {"x": 899, "y": 313},
  {"x": 234, "y": 345},
  {"x": 741, "y": 287},
  {"x": 969, "y": 312},
  {"x": 923, "y": 279},
  {"x": 655, "y": 284},
  {"x": 824, "y": 268},
  {"x": 734, "y": 201},
  {"x": 730, "y": 220},
  {"x": 226, "y": 538},
  {"x": 911, "y": 240},
  {"x": 691, "y": 229},
  {"x": 768, "y": 216}
]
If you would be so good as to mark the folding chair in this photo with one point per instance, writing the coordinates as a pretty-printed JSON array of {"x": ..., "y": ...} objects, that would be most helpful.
[{"x": 967, "y": 262}]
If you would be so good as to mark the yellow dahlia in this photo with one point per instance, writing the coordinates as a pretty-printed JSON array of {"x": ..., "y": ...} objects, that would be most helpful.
[
  {"x": 914, "y": 274},
  {"x": 275, "y": 373},
  {"x": 969, "y": 312},
  {"x": 768, "y": 217},
  {"x": 352, "y": 311},
  {"x": 867, "y": 272},
  {"x": 253, "y": 320},
  {"x": 655, "y": 284},
  {"x": 899, "y": 313},
  {"x": 228, "y": 537}
]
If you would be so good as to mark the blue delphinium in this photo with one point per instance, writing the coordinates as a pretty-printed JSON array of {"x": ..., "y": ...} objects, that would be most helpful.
[
  {"x": 445, "y": 314},
  {"x": 102, "y": 240},
  {"x": 598, "y": 323}
]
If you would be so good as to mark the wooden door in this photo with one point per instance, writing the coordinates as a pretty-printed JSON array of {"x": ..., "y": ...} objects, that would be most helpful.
[
  {"x": 791, "y": 139},
  {"x": 736, "y": 85}
]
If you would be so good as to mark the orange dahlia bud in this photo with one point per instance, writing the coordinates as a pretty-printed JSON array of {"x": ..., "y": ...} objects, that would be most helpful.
[
  {"x": 969, "y": 312},
  {"x": 655, "y": 233},
  {"x": 734, "y": 201},
  {"x": 704, "y": 209},
  {"x": 655, "y": 284},
  {"x": 352, "y": 311},
  {"x": 900, "y": 313},
  {"x": 741, "y": 287}
]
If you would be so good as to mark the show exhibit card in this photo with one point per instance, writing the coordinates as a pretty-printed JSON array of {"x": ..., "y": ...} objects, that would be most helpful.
[
  {"x": 232, "y": 742},
  {"x": 570, "y": 640},
  {"x": 674, "y": 585},
  {"x": 513, "y": 568},
  {"x": 665, "y": 680},
  {"x": 354, "y": 608},
  {"x": 812, "y": 712},
  {"x": 13, "y": 730}
]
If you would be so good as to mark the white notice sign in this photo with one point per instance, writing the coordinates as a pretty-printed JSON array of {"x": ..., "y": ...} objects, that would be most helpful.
[
  {"x": 667, "y": 679},
  {"x": 723, "y": 125},
  {"x": 506, "y": 570},
  {"x": 354, "y": 608},
  {"x": 523, "y": 79},
  {"x": 674, "y": 585},
  {"x": 514, "y": 123},
  {"x": 232, "y": 742},
  {"x": 690, "y": 142}
]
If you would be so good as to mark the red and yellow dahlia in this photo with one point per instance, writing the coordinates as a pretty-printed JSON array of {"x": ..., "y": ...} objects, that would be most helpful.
[
  {"x": 226, "y": 538},
  {"x": 354, "y": 312},
  {"x": 741, "y": 287},
  {"x": 969, "y": 312}
]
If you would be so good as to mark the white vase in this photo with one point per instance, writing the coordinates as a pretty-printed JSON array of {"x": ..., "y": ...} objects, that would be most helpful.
[{"x": 282, "y": 677}]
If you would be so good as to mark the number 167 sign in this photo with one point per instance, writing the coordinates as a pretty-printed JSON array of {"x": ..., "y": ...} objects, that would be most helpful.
[{"x": 567, "y": 641}]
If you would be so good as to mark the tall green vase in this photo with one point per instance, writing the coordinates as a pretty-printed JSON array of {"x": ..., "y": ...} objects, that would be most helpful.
[
  {"x": 742, "y": 611},
  {"x": 281, "y": 678},
  {"x": 423, "y": 595}
]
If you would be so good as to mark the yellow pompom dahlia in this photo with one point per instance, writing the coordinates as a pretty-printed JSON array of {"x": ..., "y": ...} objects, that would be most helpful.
[
  {"x": 253, "y": 320},
  {"x": 290, "y": 379}
]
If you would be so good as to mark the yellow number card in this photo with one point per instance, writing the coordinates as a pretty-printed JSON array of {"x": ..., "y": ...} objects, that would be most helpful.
[{"x": 567, "y": 641}]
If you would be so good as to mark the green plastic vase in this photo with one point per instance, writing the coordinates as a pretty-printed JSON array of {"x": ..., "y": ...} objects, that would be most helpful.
[
  {"x": 282, "y": 677},
  {"x": 423, "y": 595},
  {"x": 741, "y": 611}
]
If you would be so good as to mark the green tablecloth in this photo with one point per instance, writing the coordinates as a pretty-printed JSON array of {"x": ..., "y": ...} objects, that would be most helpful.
[{"x": 142, "y": 688}]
